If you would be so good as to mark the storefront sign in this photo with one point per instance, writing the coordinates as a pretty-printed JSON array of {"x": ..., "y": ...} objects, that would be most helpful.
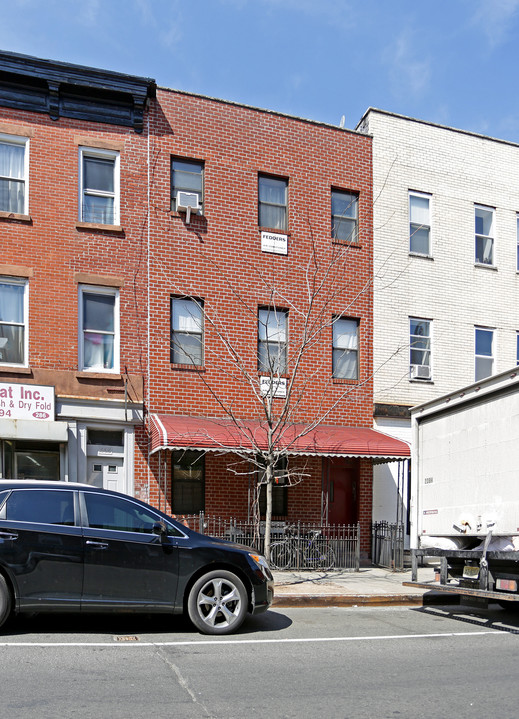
[
  {"x": 26, "y": 401},
  {"x": 274, "y": 242}
]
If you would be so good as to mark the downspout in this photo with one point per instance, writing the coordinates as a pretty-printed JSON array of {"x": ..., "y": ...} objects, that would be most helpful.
[{"x": 147, "y": 394}]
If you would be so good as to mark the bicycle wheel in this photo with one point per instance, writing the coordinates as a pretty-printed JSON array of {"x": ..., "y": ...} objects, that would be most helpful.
[
  {"x": 318, "y": 557},
  {"x": 280, "y": 555}
]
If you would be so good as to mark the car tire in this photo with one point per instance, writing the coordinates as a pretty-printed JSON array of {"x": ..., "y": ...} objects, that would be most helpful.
[
  {"x": 5, "y": 601},
  {"x": 217, "y": 603}
]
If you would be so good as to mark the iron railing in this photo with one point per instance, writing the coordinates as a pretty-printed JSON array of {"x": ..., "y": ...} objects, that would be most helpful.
[
  {"x": 312, "y": 545},
  {"x": 387, "y": 545}
]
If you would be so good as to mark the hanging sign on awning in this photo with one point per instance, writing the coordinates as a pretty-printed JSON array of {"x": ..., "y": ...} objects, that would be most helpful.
[{"x": 26, "y": 401}]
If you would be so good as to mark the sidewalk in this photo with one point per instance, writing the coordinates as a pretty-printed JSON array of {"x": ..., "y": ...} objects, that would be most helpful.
[{"x": 371, "y": 586}]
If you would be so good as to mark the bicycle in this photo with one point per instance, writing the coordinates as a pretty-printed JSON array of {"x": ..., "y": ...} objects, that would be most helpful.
[{"x": 309, "y": 551}]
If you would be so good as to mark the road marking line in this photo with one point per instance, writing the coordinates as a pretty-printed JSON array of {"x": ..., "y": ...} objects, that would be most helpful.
[{"x": 218, "y": 642}]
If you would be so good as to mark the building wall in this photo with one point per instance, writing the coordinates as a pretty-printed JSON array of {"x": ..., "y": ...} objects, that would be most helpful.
[
  {"x": 217, "y": 257},
  {"x": 459, "y": 170}
]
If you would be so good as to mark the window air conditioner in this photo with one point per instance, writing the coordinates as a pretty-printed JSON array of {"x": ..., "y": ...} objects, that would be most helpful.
[
  {"x": 187, "y": 202},
  {"x": 420, "y": 371}
]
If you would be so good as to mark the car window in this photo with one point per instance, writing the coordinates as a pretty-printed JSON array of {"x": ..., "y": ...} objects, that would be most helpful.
[
  {"x": 3, "y": 496},
  {"x": 41, "y": 506},
  {"x": 107, "y": 512}
]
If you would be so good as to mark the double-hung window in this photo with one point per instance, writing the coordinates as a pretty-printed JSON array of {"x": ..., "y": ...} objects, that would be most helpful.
[
  {"x": 188, "y": 482},
  {"x": 14, "y": 173},
  {"x": 484, "y": 351},
  {"x": 419, "y": 348},
  {"x": 99, "y": 329},
  {"x": 187, "y": 330},
  {"x": 419, "y": 223},
  {"x": 345, "y": 339},
  {"x": 272, "y": 340},
  {"x": 99, "y": 186},
  {"x": 13, "y": 321},
  {"x": 484, "y": 221},
  {"x": 345, "y": 224},
  {"x": 187, "y": 183},
  {"x": 272, "y": 202}
]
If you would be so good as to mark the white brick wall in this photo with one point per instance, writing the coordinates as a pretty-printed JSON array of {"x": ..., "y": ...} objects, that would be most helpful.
[{"x": 459, "y": 170}]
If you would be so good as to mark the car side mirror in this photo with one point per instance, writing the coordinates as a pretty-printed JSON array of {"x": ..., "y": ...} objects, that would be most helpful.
[{"x": 160, "y": 529}]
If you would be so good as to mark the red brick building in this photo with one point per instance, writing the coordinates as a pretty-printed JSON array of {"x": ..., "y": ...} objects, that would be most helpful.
[
  {"x": 260, "y": 225},
  {"x": 73, "y": 173}
]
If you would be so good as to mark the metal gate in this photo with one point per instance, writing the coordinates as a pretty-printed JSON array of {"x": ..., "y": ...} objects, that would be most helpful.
[{"x": 387, "y": 545}]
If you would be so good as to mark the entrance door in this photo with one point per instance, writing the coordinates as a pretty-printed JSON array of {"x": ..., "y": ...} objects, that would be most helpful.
[
  {"x": 341, "y": 482},
  {"x": 106, "y": 472}
]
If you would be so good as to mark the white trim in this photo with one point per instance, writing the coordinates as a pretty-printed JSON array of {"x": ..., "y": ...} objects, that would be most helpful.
[
  {"x": 17, "y": 140},
  {"x": 107, "y": 292},
  {"x": 428, "y": 196},
  {"x": 25, "y": 283}
]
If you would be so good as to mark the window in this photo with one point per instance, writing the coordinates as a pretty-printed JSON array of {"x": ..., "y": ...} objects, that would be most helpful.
[
  {"x": 13, "y": 321},
  {"x": 99, "y": 329},
  {"x": 345, "y": 348},
  {"x": 187, "y": 176},
  {"x": 187, "y": 331},
  {"x": 121, "y": 515},
  {"x": 41, "y": 506},
  {"x": 279, "y": 491},
  {"x": 517, "y": 238},
  {"x": 484, "y": 235},
  {"x": 419, "y": 223},
  {"x": 517, "y": 348},
  {"x": 420, "y": 348},
  {"x": 99, "y": 186},
  {"x": 272, "y": 206},
  {"x": 484, "y": 353},
  {"x": 14, "y": 173},
  {"x": 188, "y": 482},
  {"x": 345, "y": 216},
  {"x": 272, "y": 340}
]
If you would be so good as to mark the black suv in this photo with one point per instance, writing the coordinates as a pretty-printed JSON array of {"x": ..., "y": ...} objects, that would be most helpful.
[{"x": 73, "y": 547}]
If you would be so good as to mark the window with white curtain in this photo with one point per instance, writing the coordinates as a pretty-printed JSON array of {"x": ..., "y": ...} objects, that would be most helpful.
[
  {"x": 345, "y": 224},
  {"x": 99, "y": 329},
  {"x": 484, "y": 351},
  {"x": 419, "y": 223},
  {"x": 345, "y": 348},
  {"x": 187, "y": 325},
  {"x": 272, "y": 202},
  {"x": 272, "y": 340},
  {"x": 13, "y": 321},
  {"x": 14, "y": 162},
  {"x": 99, "y": 186},
  {"x": 484, "y": 217}
]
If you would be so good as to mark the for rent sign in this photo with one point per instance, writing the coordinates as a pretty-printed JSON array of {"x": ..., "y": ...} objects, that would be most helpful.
[{"x": 26, "y": 401}]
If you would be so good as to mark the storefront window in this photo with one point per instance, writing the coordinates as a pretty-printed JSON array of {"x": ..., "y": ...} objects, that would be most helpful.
[{"x": 31, "y": 460}]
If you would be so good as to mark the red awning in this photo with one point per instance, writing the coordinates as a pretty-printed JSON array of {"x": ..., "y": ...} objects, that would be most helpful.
[{"x": 217, "y": 435}]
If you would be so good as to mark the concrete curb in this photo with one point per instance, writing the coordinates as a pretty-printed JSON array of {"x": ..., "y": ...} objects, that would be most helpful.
[{"x": 285, "y": 601}]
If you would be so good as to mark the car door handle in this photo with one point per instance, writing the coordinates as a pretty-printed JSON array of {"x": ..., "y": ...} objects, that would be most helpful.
[
  {"x": 8, "y": 535},
  {"x": 96, "y": 545}
]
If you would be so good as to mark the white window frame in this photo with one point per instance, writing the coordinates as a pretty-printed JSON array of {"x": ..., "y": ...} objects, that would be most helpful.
[
  {"x": 25, "y": 324},
  {"x": 85, "y": 152},
  {"x": 107, "y": 292},
  {"x": 415, "y": 373},
  {"x": 198, "y": 331},
  {"x": 492, "y": 236},
  {"x": 273, "y": 335},
  {"x": 339, "y": 348},
  {"x": 492, "y": 356},
  {"x": 425, "y": 196},
  {"x": 18, "y": 140}
]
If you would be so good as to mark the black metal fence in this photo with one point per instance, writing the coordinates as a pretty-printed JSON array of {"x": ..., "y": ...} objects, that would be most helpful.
[
  {"x": 387, "y": 545},
  {"x": 301, "y": 546}
]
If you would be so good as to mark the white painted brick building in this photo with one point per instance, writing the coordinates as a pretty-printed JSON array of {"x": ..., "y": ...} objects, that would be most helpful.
[{"x": 446, "y": 268}]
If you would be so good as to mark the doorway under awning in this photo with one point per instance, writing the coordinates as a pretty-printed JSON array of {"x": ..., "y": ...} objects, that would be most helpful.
[{"x": 207, "y": 434}]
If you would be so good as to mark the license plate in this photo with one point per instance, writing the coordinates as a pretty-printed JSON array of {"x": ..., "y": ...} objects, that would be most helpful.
[
  {"x": 470, "y": 572},
  {"x": 510, "y": 585}
]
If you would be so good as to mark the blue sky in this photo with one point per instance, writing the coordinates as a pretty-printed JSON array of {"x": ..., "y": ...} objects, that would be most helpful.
[{"x": 450, "y": 61}]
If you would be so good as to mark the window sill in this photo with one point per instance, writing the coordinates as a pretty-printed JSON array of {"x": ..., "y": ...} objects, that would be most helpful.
[
  {"x": 346, "y": 243},
  {"x": 15, "y": 217},
  {"x": 485, "y": 266},
  {"x": 99, "y": 227},
  {"x": 415, "y": 380},
  {"x": 421, "y": 255},
  {"x": 14, "y": 369},
  {"x": 188, "y": 367},
  {"x": 274, "y": 231},
  {"x": 344, "y": 380},
  {"x": 85, "y": 374}
]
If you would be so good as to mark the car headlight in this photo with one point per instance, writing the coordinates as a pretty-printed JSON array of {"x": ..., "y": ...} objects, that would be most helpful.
[{"x": 261, "y": 562}]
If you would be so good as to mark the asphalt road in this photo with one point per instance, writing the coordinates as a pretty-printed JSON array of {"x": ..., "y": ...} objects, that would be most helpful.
[{"x": 333, "y": 662}]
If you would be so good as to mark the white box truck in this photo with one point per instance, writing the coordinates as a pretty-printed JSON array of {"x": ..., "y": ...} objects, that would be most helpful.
[{"x": 465, "y": 490}]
